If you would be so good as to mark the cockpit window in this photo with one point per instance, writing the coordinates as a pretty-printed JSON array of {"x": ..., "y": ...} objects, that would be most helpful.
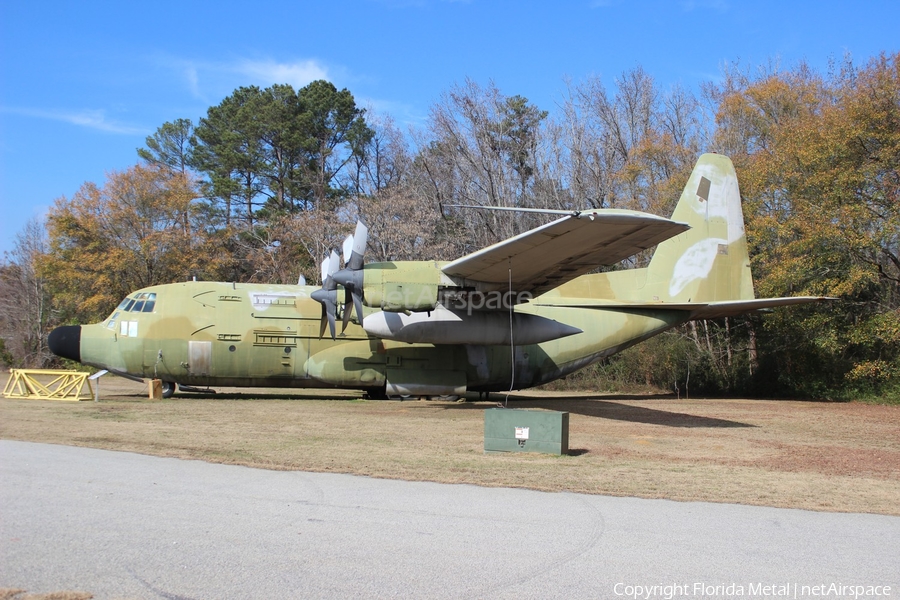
[
  {"x": 147, "y": 301},
  {"x": 142, "y": 302}
]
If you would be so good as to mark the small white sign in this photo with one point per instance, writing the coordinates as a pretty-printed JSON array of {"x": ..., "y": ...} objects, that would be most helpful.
[{"x": 521, "y": 433}]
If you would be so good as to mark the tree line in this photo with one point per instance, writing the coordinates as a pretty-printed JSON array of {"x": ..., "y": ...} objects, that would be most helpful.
[{"x": 266, "y": 182}]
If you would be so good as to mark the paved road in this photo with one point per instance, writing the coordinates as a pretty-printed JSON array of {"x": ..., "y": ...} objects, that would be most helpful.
[{"x": 123, "y": 525}]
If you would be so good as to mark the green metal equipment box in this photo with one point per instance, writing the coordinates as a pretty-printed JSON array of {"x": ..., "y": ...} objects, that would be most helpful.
[{"x": 515, "y": 430}]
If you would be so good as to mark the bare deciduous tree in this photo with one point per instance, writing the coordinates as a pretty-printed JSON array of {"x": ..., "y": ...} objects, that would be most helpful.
[{"x": 24, "y": 302}]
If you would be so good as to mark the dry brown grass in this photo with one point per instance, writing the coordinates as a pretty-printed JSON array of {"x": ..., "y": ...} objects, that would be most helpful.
[
  {"x": 819, "y": 456},
  {"x": 16, "y": 594}
]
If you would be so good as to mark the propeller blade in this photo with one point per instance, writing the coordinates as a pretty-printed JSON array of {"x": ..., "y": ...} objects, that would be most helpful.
[
  {"x": 348, "y": 309},
  {"x": 360, "y": 238},
  {"x": 348, "y": 249},
  {"x": 327, "y": 294},
  {"x": 334, "y": 265},
  {"x": 334, "y": 262},
  {"x": 351, "y": 276},
  {"x": 330, "y": 310},
  {"x": 328, "y": 300},
  {"x": 352, "y": 301},
  {"x": 353, "y": 283},
  {"x": 324, "y": 322},
  {"x": 357, "y": 302}
]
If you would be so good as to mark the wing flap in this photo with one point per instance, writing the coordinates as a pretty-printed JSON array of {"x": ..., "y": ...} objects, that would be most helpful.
[{"x": 547, "y": 256}]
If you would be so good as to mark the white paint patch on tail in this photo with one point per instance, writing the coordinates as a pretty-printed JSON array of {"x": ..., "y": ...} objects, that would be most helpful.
[
  {"x": 724, "y": 201},
  {"x": 696, "y": 263}
]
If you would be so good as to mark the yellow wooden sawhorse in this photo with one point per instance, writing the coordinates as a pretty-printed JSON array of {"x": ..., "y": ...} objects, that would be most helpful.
[{"x": 64, "y": 385}]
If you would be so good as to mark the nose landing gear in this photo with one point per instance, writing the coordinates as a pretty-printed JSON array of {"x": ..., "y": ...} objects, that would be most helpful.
[{"x": 168, "y": 389}]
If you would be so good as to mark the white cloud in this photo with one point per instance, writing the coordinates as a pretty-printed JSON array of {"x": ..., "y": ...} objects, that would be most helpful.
[
  {"x": 211, "y": 80},
  {"x": 91, "y": 119},
  {"x": 269, "y": 72},
  {"x": 402, "y": 113},
  {"x": 720, "y": 6},
  {"x": 402, "y": 4},
  {"x": 193, "y": 81}
]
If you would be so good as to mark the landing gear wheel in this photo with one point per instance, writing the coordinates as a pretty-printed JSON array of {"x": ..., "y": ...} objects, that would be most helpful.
[
  {"x": 376, "y": 394},
  {"x": 168, "y": 389}
]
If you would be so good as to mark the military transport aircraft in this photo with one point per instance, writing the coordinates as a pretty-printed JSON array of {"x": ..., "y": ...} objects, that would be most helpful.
[{"x": 513, "y": 315}]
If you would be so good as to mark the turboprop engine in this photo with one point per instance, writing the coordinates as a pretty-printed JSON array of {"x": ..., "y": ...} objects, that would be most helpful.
[
  {"x": 396, "y": 286},
  {"x": 402, "y": 286},
  {"x": 483, "y": 328}
]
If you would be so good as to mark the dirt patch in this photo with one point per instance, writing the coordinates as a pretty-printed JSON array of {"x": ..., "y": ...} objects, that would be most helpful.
[{"x": 812, "y": 455}]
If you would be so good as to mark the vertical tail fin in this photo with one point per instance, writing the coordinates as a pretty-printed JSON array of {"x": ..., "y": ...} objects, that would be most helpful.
[{"x": 709, "y": 262}]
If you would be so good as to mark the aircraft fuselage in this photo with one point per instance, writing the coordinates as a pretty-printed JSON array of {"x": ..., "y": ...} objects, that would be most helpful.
[{"x": 256, "y": 335}]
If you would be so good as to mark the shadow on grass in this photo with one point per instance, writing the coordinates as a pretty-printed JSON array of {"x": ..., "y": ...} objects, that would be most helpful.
[
  {"x": 249, "y": 396},
  {"x": 607, "y": 409},
  {"x": 587, "y": 404}
]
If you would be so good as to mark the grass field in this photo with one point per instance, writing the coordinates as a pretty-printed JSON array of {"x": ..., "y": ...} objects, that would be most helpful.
[{"x": 811, "y": 455}]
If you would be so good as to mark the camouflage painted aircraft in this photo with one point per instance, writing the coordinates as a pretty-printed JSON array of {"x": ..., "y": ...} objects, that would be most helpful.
[{"x": 514, "y": 315}]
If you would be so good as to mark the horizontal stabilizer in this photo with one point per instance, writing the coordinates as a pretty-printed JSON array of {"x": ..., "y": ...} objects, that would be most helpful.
[
  {"x": 716, "y": 310},
  {"x": 698, "y": 310}
]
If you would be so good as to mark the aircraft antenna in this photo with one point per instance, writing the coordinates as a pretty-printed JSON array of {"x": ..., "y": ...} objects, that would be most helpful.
[{"x": 512, "y": 344}]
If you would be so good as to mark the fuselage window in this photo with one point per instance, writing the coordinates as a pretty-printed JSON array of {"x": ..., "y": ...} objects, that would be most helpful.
[
  {"x": 129, "y": 305},
  {"x": 138, "y": 306}
]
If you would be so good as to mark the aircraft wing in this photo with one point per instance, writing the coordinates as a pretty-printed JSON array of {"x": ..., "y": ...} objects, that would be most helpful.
[
  {"x": 698, "y": 310},
  {"x": 548, "y": 256}
]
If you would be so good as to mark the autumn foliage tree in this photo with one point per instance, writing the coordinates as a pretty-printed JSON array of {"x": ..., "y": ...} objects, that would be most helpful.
[
  {"x": 104, "y": 242},
  {"x": 819, "y": 162}
]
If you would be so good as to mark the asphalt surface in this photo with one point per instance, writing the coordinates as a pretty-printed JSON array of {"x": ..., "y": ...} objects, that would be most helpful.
[{"x": 122, "y": 525}]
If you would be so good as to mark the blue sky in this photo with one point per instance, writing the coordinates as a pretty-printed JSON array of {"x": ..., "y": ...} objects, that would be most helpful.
[{"x": 82, "y": 84}]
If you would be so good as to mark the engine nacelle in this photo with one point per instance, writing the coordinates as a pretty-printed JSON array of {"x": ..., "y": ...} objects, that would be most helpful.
[{"x": 402, "y": 286}]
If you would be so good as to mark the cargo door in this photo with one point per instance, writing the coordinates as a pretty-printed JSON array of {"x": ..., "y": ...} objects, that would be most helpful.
[{"x": 199, "y": 358}]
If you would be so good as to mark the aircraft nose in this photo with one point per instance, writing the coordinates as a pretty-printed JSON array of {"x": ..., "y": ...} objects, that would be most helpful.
[{"x": 65, "y": 341}]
